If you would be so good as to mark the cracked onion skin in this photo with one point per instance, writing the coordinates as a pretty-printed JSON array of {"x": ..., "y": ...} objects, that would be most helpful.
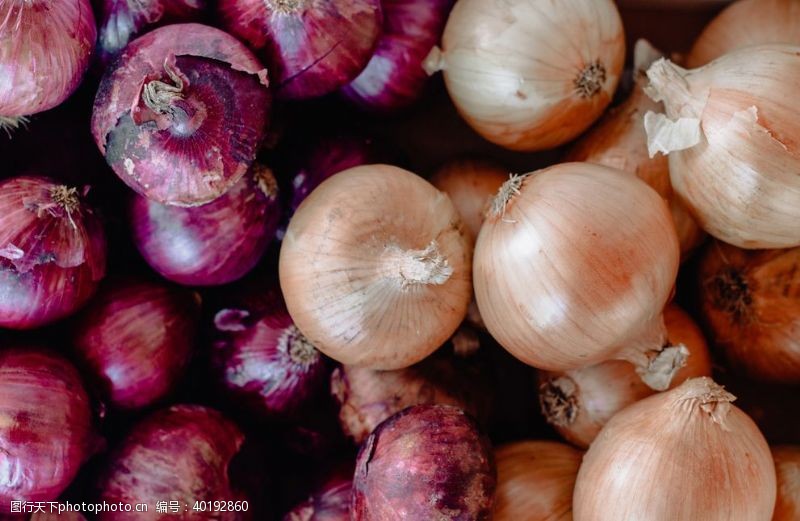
[
  {"x": 180, "y": 114},
  {"x": 426, "y": 462},
  {"x": 312, "y": 47},
  {"x": 52, "y": 252}
]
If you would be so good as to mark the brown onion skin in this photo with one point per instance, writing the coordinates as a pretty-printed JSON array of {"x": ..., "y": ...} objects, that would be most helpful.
[
  {"x": 135, "y": 339},
  {"x": 750, "y": 303},
  {"x": 329, "y": 502},
  {"x": 52, "y": 254},
  {"x": 47, "y": 431},
  {"x": 193, "y": 153},
  {"x": 426, "y": 462},
  {"x": 787, "y": 467},
  {"x": 182, "y": 452},
  {"x": 311, "y": 47}
]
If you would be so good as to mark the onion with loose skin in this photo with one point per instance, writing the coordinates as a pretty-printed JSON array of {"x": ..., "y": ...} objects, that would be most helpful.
[
  {"x": 687, "y": 453},
  {"x": 312, "y": 47},
  {"x": 751, "y": 305},
  {"x": 329, "y": 502},
  {"x": 375, "y": 267},
  {"x": 535, "y": 481},
  {"x": 527, "y": 74},
  {"x": 573, "y": 267},
  {"x": 52, "y": 252},
  {"x": 729, "y": 129},
  {"x": 580, "y": 401},
  {"x": 787, "y": 467},
  {"x": 180, "y": 116}
]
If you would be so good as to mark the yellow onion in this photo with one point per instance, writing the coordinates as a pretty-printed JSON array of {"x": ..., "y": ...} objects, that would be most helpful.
[{"x": 787, "y": 466}]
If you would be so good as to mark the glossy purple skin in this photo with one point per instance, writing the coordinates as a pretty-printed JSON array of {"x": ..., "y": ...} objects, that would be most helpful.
[
  {"x": 203, "y": 143},
  {"x": 213, "y": 244},
  {"x": 135, "y": 339},
  {"x": 426, "y": 462},
  {"x": 394, "y": 78},
  {"x": 47, "y": 430},
  {"x": 330, "y": 502},
  {"x": 51, "y": 258},
  {"x": 312, "y": 47}
]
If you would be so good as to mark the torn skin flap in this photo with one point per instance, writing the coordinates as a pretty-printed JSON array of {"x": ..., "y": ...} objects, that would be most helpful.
[{"x": 665, "y": 135}]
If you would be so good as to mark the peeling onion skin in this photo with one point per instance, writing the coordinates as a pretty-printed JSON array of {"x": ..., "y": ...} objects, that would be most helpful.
[
  {"x": 135, "y": 339},
  {"x": 689, "y": 453},
  {"x": 52, "y": 252},
  {"x": 190, "y": 147},
  {"x": 426, "y": 462},
  {"x": 312, "y": 47},
  {"x": 47, "y": 431},
  {"x": 45, "y": 47},
  {"x": 751, "y": 305},
  {"x": 213, "y": 244},
  {"x": 375, "y": 267},
  {"x": 184, "y": 452},
  {"x": 330, "y": 502},
  {"x": 787, "y": 467},
  {"x": 535, "y": 481}
]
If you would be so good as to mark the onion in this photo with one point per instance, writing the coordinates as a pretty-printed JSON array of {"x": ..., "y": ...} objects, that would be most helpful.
[
  {"x": 177, "y": 454},
  {"x": 212, "y": 244},
  {"x": 135, "y": 339},
  {"x": 745, "y": 23},
  {"x": 527, "y": 74},
  {"x": 44, "y": 50},
  {"x": 46, "y": 432},
  {"x": 375, "y": 267},
  {"x": 535, "y": 481},
  {"x": 329, "y": 502},
  {"x": 598, "y": 255},
  {"x": 394, "y": 78},
  {"x": 688, "y": 453},
  {"x": 52, "y": 252},
  {"x": 426, "y": 462},
  {"x": 729, "y": 130},
  {"x": 787, "y": 466},
  {"x": 312, "y": 48},
  {"x": 751, "y": 304},
  {"x": 580, "y": 401},
  {"x": 181, "y": 114}
]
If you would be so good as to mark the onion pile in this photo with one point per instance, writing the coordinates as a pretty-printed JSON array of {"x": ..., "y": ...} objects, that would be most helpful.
[{"x": 787, "y": 467}]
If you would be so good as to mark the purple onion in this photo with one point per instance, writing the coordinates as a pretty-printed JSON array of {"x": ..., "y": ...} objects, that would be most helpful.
[
  {"x": 329, "y": 502},
  {"x": 394, "y": 77}
]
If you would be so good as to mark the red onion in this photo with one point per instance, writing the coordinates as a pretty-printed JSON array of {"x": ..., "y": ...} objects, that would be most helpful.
[
  {"x": 46, "y": 430},
  {"x": 311, "y": 47},
  {"x": 52, "y": 252},
  {"x": 44, "y": 50},
  {"x": 212, "y": 244},
  {"x": 135, "y": 339},
  {"x": 426, "y": 462},
  {"x": 177, "y": 454},
  {"x": 181, "y": 116},
  {"x": 394, "y": 77},
  {"x": 329, "y": 502}
]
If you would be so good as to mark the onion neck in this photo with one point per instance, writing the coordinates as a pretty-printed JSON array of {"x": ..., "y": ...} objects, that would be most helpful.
[
  {"x": 506, "y": 194},
  {"x": 285, "y": 6},
  {"x": 668, "y": 84},
  {"x": 589, "y": 82},
  {"x": 705, "y": 394},
  {"x": 265, "y": 180},
  {"x": 656, "y": 361},
  {"x": 558, "y": 399},
  {"x": 300, "y": 350},
  {"x": 418, "y": 267},
  {"x": 166, "y": 103}
]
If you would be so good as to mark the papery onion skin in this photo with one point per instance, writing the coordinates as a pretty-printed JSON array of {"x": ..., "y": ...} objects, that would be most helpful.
[
  {"x": 135, "y": 339},
  {"x": 375, "y": 267},
  {"x": 184, "y": 452},
  {"x": 688, "y": 453},
  {"x": 52, "y": 252},
  {"x": 182, "y": 148},
  {"x": 213, "y": 244},
  {"x": 745, "y": 23},
  {"x": 751, "y": 305},
  {"x": 787, "y": 467},
  {"x": 504, "y": 67},
  {"x": 580, "y": 306},
  {"x": 311, "y": 48},
  {"x": 47, "y": 431},
  {"x": 330, "y": 502},
  {"x": 535, "y": 481},
  {"x": 427, "y": 462},
  {"x": 394, "y": 78},
  {"x": 45, "y": 48}
]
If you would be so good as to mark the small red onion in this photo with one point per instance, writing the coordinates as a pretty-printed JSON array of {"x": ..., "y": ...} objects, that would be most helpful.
[
  {"x": 177, "y": 454},
  {"x": 212, "y": 244},
  {"x": 426, "y": 462},
  {"x": 46, "y": 430},
  {"x": 329, "y": 502},
  {"x": 52, "y": 252},
  {"x": 311, "y": 47},
  {"x": 181, "y": 117},
  {"x": 135, "y": 339},
  {"x": 394, "y": 77}
]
